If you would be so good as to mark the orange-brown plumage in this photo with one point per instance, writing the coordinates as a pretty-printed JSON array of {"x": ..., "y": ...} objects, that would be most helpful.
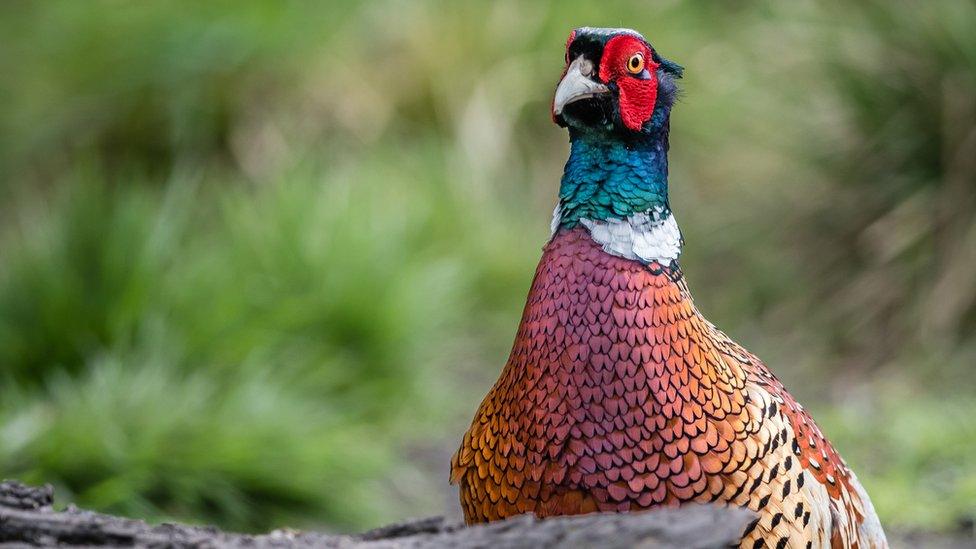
[{"x": 619, "y": 396}]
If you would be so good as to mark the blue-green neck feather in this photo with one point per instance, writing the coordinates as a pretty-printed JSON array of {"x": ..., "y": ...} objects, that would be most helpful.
[{"x": 612, "y": 176}]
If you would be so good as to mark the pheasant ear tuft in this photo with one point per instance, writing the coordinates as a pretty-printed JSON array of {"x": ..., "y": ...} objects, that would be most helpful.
[{"x": 671, "y": 67}]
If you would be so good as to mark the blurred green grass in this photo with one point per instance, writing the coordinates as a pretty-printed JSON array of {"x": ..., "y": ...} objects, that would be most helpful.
[{"x": 259, "y": 261}]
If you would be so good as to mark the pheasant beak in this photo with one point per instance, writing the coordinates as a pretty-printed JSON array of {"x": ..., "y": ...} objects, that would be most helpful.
[{"x": 576, "y": 85}]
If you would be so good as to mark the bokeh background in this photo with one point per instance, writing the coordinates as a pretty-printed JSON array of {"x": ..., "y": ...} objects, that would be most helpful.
[{"x": 259, "y": 261}]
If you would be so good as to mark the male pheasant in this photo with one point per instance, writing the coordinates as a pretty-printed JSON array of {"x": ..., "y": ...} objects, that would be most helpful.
[{"x": 618, "y": 395}]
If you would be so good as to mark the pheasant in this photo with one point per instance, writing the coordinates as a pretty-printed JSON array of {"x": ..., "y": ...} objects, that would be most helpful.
[{"x": 618, "y": 394}]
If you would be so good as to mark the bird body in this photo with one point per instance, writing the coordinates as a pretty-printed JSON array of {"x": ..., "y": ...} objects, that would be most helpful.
[{"x": 618, "y": 394}]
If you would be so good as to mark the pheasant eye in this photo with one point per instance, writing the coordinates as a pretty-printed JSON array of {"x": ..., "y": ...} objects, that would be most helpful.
[{"x": 635, "y": 65}]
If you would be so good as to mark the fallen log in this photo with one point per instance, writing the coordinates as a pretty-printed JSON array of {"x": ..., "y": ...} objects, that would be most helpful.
[{"x": 27, "y": 517}]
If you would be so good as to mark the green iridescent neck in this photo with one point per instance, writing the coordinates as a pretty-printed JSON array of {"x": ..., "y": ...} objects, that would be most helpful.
[{"x": 613, "y": 177}]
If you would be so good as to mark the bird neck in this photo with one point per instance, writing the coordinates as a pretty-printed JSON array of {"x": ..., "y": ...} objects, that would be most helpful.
[
  {"x": 617, "y": 187},
  {"x": 613, "y": 177}
]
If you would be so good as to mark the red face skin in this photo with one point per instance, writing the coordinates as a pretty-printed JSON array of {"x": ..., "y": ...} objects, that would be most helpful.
[{"x": 637, "y": 92}]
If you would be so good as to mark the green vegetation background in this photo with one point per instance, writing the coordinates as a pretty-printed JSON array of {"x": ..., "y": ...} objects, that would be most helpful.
[{"x": 259, "y": 261}]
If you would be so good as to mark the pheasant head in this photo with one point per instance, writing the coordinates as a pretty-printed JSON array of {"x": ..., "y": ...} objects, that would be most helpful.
[{"x": 614, "y": 82}]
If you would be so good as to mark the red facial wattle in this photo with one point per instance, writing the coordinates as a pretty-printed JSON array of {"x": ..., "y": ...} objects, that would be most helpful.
[{"x": 637, "y": 93}]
